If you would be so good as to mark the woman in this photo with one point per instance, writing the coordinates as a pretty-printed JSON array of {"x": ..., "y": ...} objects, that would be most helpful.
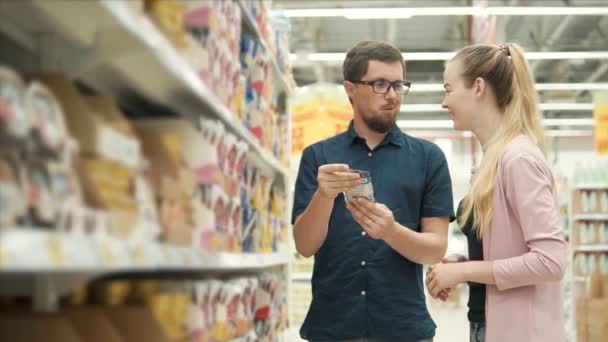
[{"x": 512, "y": 204}]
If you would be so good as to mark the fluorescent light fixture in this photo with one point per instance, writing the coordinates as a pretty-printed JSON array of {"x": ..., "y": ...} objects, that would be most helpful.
[
  {"x": 408, "y": 12},
  {"x": 572, "y": 86},
  {"x": 425, "y": 123},
  {"x": 450, "y": 123},
  {"x": 569, "y": 122},
  {"x": 438, "y": 87},
  {"x": 444, "y": 56},
  {"x": 414, "y": 108},
  {"x": 567, "y": 106}
]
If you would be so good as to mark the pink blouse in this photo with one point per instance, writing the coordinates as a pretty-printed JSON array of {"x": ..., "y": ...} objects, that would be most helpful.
[{"x": 526, "y": 243}]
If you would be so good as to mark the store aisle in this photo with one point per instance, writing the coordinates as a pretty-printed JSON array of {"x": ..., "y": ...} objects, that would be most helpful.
[{"x": 452, "y": 324}]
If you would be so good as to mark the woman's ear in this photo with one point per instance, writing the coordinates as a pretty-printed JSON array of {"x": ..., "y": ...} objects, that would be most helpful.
[{"x": 480, "y": 86}]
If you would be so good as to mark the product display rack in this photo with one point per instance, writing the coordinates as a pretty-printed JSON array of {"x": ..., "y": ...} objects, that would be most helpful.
[{"x": 121, "y": 53}]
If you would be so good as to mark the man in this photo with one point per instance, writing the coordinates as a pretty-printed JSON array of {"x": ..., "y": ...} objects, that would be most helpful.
[{"x": 367, "y": 280}]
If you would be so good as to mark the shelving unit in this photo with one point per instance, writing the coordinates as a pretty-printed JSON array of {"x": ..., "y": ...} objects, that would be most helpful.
[
  {"x": 119, "y": 52},
  {"x": 583, "y": 249}
]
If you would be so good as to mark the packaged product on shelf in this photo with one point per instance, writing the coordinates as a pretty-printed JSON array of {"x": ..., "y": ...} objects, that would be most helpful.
[
  {"x": 95, "y": 135},
  {"x": 172, "y": 180},
  {"x": 169, "y": 16},
  {"x": 603, "y": 233},
  {"x": 14, "y": 119},
  {"x": 147, "y": 227},
  {"x": 46, "y": 116},
  {"x": 41, "y": 203},
  {"x": 281, "y": 39},
  {"x": 108, "y": 185},
  {"x": 171, "y": 311},
  {"x": 13, "y": 194}
]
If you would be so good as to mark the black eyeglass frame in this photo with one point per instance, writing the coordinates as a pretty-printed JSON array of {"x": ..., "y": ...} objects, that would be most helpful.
[{"x": 406, "y": 85}]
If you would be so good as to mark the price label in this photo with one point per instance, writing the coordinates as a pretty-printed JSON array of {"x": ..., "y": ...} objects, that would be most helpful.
[
  {"x": 138, "y": 256},
  {"x": 3, "y": 256},
  {"x": 186, "y": 260},
  {"x": 166, "y": 255},
  {"x": 105, "y": 252},
  {"x": 56, "y": 254}
]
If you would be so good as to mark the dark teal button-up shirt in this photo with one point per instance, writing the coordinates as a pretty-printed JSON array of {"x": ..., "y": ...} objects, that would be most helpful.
[{"x": 361, "y": 287}]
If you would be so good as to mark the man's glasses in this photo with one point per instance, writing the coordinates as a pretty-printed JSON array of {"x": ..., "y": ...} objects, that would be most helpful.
[{"x": 383, "y": 87}]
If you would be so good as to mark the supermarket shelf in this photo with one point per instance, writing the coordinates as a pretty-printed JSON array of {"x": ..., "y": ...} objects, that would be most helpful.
[
  {"x": 591, "y": 248},
  {"x": 591, "y": 187},
  {"x": 125, "y": 55},
  {"x": 301, "y": 276},
  {"x": 590, "y": 217},
  {"x": 253, "y": 28},
  {"x": 36, "y": 250}
]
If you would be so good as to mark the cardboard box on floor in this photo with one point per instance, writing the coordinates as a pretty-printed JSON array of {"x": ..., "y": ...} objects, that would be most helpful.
[
  {"x": 92, "y": 325},
  {"x": 135, "y": 324},
  {"x": 37, "y": 327}
]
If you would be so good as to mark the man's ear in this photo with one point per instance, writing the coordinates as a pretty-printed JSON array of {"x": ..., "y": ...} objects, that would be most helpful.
[
  {"x": 349, "y": 87},
  {"x": 479, "y": 86}
]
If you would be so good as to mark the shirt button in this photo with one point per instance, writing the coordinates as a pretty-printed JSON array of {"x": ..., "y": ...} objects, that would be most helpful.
[
  {"x": 363, "y": 233},
  {"x": 369, "y": 154},
  {"x": 363, "y": 263},
  {"x": 363, "y": 293}
]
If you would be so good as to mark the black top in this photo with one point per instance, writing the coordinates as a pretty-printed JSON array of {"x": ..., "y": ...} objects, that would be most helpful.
[{"x": 477, "y": 292}]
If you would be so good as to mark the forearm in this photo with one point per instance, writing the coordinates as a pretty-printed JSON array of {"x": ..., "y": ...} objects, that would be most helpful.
[
  {"x": 478, "y": 272},
  {"x": 311, "y": 227},
  {"x": 421, "y": 248}
]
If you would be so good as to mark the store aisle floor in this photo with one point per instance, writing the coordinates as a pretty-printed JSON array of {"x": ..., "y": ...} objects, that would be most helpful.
[{"x": 452, "y": 324}]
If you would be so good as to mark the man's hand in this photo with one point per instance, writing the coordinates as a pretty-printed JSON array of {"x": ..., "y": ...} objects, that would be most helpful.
[
  {"x": 335, "y": 178},
  {"x": 375, "y": 218}
]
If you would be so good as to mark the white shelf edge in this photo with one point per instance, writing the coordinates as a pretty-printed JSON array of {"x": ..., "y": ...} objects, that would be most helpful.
[
  {"x": 590, "y": 217},
  {"x": 591, "y": 248},
  {"x": 166, "y": 53},
  {"x": 591, "y": 187},
  {"x": 256, "y": 32},
  {"x": 35, "y": 250},
  {"x": 301, "y": 276}
]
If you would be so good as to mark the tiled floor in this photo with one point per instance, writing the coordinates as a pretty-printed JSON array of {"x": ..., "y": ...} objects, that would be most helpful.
[{"x": 452, "y": 324}]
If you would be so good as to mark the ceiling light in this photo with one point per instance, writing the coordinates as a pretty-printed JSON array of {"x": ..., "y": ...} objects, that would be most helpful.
[
  {"x": 450, "y": 123},
  {"x": 405, "y": 12},
  {"x": 444, "y": 56},
  {"x": 438, "y": 87},
  {"x": 410, "y": 108}
]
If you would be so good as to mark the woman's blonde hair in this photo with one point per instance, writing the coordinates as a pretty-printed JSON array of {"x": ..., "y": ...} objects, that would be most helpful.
[{"x": 508, "y": 73}]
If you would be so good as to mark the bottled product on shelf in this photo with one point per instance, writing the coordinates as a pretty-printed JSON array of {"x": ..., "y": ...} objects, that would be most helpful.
[{"x": 589, "y": 244}]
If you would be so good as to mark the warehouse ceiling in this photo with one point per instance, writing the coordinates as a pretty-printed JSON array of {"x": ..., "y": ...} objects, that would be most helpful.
[{"x": 448, "y": 33}]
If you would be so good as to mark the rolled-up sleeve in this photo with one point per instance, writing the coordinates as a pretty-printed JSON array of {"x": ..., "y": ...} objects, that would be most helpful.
[
  {"x": 528, "y": 186},
  {"x": 306, "y": 183}
]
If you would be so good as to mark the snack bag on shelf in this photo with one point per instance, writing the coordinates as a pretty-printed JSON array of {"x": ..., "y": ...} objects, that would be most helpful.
[
  {"x": 13, "y": 190},
  {"x": 46, "y": 115},
  {"x": 169, "y": 16},
  {"x": 14, "y": 118},
  {"x": 220, "y": 206},
  {"x": 233, "y": 238}
]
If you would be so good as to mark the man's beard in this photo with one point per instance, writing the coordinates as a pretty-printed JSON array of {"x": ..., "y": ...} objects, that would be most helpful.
[{"x": 380, "y": 124}]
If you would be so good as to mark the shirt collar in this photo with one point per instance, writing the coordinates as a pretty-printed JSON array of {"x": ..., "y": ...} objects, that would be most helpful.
[{"x": 394, "y": 136}]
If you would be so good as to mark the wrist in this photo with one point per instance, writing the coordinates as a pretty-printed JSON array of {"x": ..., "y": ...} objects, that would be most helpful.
[
  {"x": 325, "y": 197},
  {"x": 467, "y": 269}
]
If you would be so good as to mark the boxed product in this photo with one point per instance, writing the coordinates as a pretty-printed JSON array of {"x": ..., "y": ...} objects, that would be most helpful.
[{"x": 95, "y": 136}]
